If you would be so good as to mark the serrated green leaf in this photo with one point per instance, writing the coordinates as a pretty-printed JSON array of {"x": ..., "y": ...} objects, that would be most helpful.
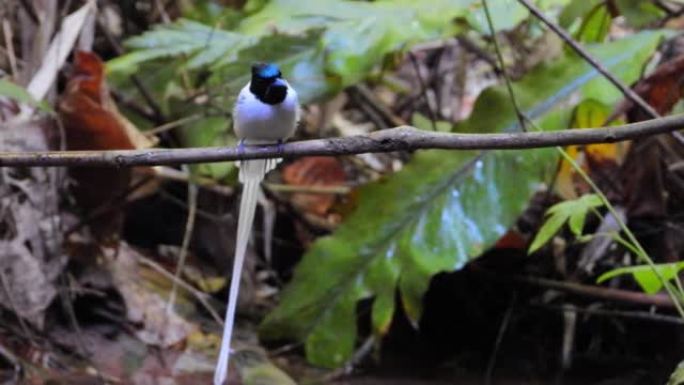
[
  {"x": 443, "y": 209},
  {"x": 646, "y": 276},
  {"x": 201, "y": 43}
]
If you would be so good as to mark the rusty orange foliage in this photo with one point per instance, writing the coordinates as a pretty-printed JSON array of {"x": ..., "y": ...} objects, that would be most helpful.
[
  {"x": 314, "y": 171},
  {"x": 92, "y": 122}
]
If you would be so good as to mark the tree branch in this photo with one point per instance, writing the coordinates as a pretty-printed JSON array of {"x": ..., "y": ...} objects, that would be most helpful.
[{"x": 396, "y": 139}]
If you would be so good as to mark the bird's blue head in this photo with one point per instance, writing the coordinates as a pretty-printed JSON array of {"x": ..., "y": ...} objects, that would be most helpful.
[{"x": 267, "y": 84}]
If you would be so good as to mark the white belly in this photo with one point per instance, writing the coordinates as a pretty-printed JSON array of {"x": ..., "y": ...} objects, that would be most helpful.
[{"x": 256, "y": 121}]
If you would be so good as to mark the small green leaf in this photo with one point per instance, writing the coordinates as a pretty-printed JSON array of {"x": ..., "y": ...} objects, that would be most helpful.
[
  {"x": 573, "y": 211},
  {"x": 203, "y": 45},
  {"x": 576, "y": 222},
  {"x": 595, "y": 26},
  {"x": 209, "y": 131},
  {"x": 18, "y": 93},
  {"x": 648, "y": 277},
  {"x": 547, "y": 231},
  {"x": 677, "y": 376},
  {"x": 590, "y": 113}
]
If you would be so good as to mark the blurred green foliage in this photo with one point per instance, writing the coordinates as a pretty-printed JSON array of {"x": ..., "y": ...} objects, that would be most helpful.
[
  {"x": 443, "y": 209},
  {"x": 440, "y": 211}
]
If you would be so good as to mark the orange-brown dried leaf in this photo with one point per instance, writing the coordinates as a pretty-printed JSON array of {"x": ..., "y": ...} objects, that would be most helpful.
[
  {"x": 314, "y": 171},
  {"x": 91, "y": 121},
  {"x": 600, "y": 160},
  {"x": 662, "y": 89}
]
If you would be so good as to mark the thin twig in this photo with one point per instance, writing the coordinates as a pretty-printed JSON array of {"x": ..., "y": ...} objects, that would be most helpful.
[
  {"x": 171, "y": 125},
  {"x": 287, "y": 188},
  {"x": 507, "y": 79},
  {"x": 617, "y": 295},
  {"x": 423, "y": 90},
  {"x": 7, "y": 31},
  {"x": 379, "y": 105},
  {"x": 202, "y": 297},
  {"x": 30, "y": 11},
  {"x": 639, "y": 315},
  {"x": 172, "y": 174},
  {"x": 182, "y": 255},
  {"x": 499, "y": 337},
  {"x": 12, "y": 359},
  {"x": 404, "y": 138},
  {"x": 158, "y": 117},
  {"x": 565, "y": 36},
  {"x": 68, "y": 307},
  {"x": 359, "y": 355}
]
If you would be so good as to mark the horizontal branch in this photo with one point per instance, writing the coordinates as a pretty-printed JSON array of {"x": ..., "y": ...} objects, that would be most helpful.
[{"x": 396, "y": 139}]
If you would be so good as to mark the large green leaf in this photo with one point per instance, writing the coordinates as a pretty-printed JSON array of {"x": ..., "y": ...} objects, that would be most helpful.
[
  {"x": 506, "y": 14},
  {"x": 639, "y": 13},
  {"x": 443, "y": 209}
]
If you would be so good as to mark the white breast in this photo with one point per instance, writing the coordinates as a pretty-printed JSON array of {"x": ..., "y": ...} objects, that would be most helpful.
[{"x": 259, "y": 122}]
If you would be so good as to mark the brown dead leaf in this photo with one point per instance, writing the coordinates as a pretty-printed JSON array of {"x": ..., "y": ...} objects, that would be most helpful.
[
  {"x": 145, "y": 303},
  {"x": 662, "y": 89},
  {"x": 31, "y": 257},
  {"x": 92, "y": 122},
  {"x": 643, "y": 175},
  {"x": 26, "y": 288},
  {"x": 314, "y": 171}
]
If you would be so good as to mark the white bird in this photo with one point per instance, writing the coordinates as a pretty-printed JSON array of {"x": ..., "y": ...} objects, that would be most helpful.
[{"x": 266, "y": 112}]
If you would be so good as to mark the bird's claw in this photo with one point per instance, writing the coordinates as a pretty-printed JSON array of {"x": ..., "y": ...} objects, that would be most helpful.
[{"x": 241, "y": 147}]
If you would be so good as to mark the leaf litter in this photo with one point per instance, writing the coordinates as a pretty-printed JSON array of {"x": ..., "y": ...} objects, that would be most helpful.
[{"x": 120, "y": 328}]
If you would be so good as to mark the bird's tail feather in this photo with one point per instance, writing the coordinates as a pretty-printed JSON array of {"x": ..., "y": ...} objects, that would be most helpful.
[{"x": 252, "y": 172}]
